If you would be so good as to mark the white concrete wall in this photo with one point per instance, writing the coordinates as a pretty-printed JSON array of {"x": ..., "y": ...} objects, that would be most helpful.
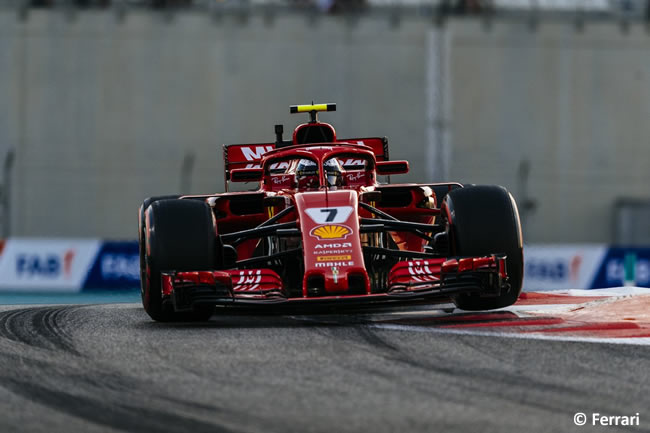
[
  {"x": 109, "y": 108},
  {"x": 574, "y": 104},
  {"x": 102, "y": 111}
]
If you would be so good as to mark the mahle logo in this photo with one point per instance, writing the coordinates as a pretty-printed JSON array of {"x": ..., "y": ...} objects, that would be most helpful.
[{"x": 334, "y": 264}]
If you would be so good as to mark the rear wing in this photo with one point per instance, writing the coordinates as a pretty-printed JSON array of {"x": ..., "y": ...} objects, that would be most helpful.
[{"x": 250, "y": 155}]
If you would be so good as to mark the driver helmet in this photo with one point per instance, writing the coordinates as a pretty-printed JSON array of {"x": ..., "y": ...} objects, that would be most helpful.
[
  {"x": 307, "y": 174},
  {"x": 333, "y": 172}
]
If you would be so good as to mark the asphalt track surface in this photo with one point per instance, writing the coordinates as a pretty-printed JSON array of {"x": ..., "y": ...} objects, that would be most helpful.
[{"x": 98, "y": 368}]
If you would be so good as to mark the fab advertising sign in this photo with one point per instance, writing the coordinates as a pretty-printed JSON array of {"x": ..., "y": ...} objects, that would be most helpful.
[
  {"x": 59, "y": 265},
  {"x": 561, "y": 267}
]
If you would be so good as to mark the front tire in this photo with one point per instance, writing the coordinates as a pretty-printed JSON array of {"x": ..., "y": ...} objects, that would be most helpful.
[
  {"x": 141, "y": 241},
  {"x": 484, "y": 220},
  {"x": 179, "y": 235}
]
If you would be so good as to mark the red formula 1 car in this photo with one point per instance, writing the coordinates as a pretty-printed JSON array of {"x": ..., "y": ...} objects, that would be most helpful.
[{"x": 321, "y": 229}]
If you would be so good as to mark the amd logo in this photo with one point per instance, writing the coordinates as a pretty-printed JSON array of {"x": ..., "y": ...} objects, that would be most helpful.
[{"x": 338, "y": 245}]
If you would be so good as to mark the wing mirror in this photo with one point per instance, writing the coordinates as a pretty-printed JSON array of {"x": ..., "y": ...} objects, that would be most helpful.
[
  {"x": 246, "y": 175},
  {"x": 386, "y": 168}
]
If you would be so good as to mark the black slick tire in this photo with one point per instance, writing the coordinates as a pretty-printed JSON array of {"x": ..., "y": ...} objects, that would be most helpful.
[
  {"x": 178, "y": 235},
  {"x": 484, "y": 220}
]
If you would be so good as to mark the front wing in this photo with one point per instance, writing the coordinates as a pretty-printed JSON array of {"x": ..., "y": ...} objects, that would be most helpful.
[{"x": 407, "y": 280}]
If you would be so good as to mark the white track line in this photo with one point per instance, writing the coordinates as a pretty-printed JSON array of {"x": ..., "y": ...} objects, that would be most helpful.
[{"x": 641, "y": 341}]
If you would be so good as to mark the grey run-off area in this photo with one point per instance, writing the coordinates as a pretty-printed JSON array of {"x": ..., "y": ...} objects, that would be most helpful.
[{"x": 109, "y": 368}]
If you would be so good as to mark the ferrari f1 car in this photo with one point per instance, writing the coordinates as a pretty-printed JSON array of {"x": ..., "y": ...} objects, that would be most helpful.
[{"x": 322, "y": 229}]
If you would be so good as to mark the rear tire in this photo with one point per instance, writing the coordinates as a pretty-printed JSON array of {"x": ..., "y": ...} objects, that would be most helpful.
[
  {"x": 178, "y": 235},
  {"x": 484, "y": 220}
]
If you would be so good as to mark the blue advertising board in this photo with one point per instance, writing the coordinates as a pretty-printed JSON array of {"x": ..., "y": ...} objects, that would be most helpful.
[
  {"x": 116, "y": 266},
  {"x": 624, "y": 265},
  {"x": 585, "y": 266},
  {"x": 72, "y": 265}
]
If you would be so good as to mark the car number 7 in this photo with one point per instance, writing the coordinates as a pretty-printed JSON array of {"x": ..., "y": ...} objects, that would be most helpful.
[{"x": 332, "y": 214}]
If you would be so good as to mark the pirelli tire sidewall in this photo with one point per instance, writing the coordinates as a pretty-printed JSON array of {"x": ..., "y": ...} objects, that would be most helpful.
[
  {"x": 179, "y": 235},
  {"x": 484, "y": 220},
  {"x": 141, "y": 241}
]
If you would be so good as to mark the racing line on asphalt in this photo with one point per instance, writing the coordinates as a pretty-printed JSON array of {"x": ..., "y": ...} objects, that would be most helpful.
[{"x": 96, "y": 368}]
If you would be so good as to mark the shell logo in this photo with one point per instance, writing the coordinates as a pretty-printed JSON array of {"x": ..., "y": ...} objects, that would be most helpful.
[{"x": 331, "y": 231}]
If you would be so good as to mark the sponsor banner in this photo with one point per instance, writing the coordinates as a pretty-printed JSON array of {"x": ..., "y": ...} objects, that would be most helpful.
[
  {"x": 589, "y": 266},
  {"x": 70, "y": 265},
  {"x": 561, "y": 267},
  {"x": 58, "y": 265},
  {"x": 116, "y": 266},
  {"x": 624, "y": 266}
]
